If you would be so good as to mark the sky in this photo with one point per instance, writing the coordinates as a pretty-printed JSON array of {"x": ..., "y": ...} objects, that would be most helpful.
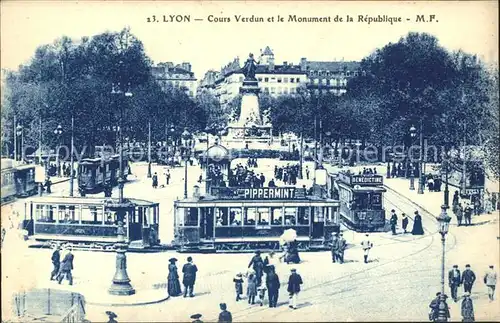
[{"x": 470, "y": 26}]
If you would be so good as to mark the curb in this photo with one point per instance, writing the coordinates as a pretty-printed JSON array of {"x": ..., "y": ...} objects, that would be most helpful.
[{"x": 126, "y": 304}]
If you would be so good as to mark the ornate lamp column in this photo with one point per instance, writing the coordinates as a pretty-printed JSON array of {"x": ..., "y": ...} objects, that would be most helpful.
[
  {"x": 186, "y": 147},
  {"x": 421, "y": 163},
  {"x": 121, "y": 282},
  {"x": 19, "y": 133},
  {"x": 58, "y": 132},
  {"x": 413, "y": 134},
  {"x": 444, "y": 223}
]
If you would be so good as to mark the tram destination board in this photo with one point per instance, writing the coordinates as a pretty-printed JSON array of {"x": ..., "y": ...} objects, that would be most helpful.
[{"x": 361, "y": 179}]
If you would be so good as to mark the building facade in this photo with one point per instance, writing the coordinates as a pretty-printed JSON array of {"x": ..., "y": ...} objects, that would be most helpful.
[
  {"x": 282, "y": 79},
  {"x": 178, "y": 76}
]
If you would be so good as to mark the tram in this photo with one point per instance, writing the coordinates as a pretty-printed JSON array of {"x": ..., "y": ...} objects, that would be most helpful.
[
  {"x": 91, "y": 222},
  {"x": 361, "y": 200},
  {"x": 94, "y": 173},
  {"x": 235, "y": 219},
  {"x": 17, "y": 181}
]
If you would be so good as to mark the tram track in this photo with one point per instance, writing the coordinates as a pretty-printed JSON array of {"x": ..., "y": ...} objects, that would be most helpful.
[{"x": 407, "y": 203}]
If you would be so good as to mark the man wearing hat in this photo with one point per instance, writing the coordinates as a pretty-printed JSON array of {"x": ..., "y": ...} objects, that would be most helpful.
[
  {"x": 468, "y": 279},
  {"x": 490, "y": 279},
  {"x": 454, "y": 281},
  {"x": 225, "y": 316},
  {"x": 342, "y": 247},
  {"x": 258, "y": 266},
  {"x": 189, "y": 270},
  {"x": 467, "y": 309},
  {"x": 366, "y": 245},
  {"x": 196, "y": 318},
  {"x": 111, "y": 317},
  {"x": 294, "y": 282},
  {"x": 56, "y": 262},
  {"x": 335, "y": 247},
  {"x": 393, "y": 221},
  {"x": 67, "y": 266}
]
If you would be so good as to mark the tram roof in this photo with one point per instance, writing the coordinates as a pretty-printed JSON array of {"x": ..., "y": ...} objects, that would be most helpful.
[
  {"x": 85, "y": 200},
  {"x": 308, "y": 200}
]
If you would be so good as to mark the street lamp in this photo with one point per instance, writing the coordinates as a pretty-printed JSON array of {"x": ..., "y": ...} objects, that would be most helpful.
[
  {"x": 413, "y": 134},
  {"x": 445, "y": 162},
  {"x": 443, "y": 223},
  {"x": 121, "y": 282},
  {"x": 72, "y": 160},
  {"x": 58, "y": 132},
  {"x": 186, "y": 145},
  {"x": 20, "y": 132},
  {"x": 149, "y": 149},
  {"x": 421, "y": 161}
]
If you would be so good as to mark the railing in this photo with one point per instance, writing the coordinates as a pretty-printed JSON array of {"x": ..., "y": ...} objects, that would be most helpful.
[{"x": 76, "y": 313}]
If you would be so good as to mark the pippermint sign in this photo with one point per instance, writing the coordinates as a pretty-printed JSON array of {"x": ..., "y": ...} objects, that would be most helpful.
[{"x": 267, "y": 193}]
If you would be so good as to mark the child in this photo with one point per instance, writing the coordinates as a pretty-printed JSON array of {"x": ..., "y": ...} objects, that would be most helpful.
[
  {"x": 238, "y": 285},
  {"x": 251, "y": 289},
  {"x": 261, "y": 290}
]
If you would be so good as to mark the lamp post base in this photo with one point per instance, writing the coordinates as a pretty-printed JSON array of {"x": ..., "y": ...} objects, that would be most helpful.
[
  {"x": 442, "y": 309},
  {"x": 149, "y": 170},
  {"x": 421, "y": 185},
  {"x": 412, "y": 184},
  {"x": 121, "y": 283}
]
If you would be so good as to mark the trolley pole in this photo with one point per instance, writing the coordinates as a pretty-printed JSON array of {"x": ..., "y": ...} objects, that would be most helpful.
[
  {"x": 421, "y": 169},
  {"x": 15, "y": 138}
]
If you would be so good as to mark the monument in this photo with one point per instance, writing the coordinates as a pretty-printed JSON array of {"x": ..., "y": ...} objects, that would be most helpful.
[{"x": 250, "y": 126}]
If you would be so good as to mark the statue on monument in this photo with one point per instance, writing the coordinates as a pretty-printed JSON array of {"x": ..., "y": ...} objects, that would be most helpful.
[{"x": 250, "y": 68}]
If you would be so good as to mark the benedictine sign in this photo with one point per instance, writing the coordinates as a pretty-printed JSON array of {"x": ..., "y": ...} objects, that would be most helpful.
[{"x": 267, "y": 193}]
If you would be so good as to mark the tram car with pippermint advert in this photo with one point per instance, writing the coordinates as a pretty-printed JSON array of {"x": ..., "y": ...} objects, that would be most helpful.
[
  {"x": 361, "y": 201},
  {"x": 17, "y": 181},
  {"x": 95, "y": 173},
  {"x": 91, "y": 222}
]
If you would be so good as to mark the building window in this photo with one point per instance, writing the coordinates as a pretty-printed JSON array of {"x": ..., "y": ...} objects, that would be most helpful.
[
  {"x": 348, "y": 73},
  {"x": 266, "y": 79},
  {"x": 272, "y": 89},
  {"x": 279, "y": 80},
  {"x": 324, "y": 81},
  {"x": 297, "y": 80},
  {"x": 327, "y": 73},
  {"x": 260, "y": 79},
  {"x": 279, "y": 90},
  {"x": 285, "y": 79},
  {"x": 292, "y": 90},
  {"x": 285, "y": 90},
  {"x": 316, "y": 81},
  {"x": 292, "y": 80},
  {"x": 266, "y": 90},
  {"x": 334, "y": 82},
  {"x": 328, "y": 82},
  {"x": 273, "y": 79}
]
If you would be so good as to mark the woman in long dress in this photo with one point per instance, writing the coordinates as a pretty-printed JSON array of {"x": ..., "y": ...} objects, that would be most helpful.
[
  {"x": 174, "y": 286},
  {"x": 417, "y": 225}
]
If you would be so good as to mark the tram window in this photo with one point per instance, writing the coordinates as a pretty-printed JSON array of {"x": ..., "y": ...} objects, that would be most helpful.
[
  {"x": 290, "y": 216},
  {"x": 276, "y": 216},
  {"x": 221, "y": 216},
  {"x": 303, "y": 215},
  {"x": 110, "y": 218},
  {"x": 45, "y": 213},
  {"x": 263, "y": 216},
  {"x": 191, "y": 217},
  {"x": 66, "y": 214},
  {"x": 250, "y": 216},
  {"x": 91, "y": 215},
  {"x": 235, "y": 216},
  {"x": 318, "y": 214}
]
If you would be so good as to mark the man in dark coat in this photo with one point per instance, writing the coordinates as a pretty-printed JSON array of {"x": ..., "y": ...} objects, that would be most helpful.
[
  {"x": 294, "y": 282},
  {"x": 393, "y": 221},
  {"x": 225, "y": 316},
  {"x": 257, "y": 263},
  {"x": 454, "y": 279},
  {"x": 467, "y": 309},
  {"x": 335, "y": 248},
  {"x": 342, "y": 247},
  {"x": 468, "y": 214},
  {"x": 56, "y": 262},
  {"x": 404, "y": 222},
  {"x": 273, "y": 286},
  {"x": 189, "y": 270},
  {"x": 468, "y": 279},
  {"x": 67, "y": 267}
]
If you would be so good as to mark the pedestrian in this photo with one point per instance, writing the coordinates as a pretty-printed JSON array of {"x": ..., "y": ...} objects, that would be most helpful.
[
  {"x": 404, "y": 222},
  {"x": 307, "y": 172},
  {"x": 196, "y": 318},
  {"x": 417, "y": 225},
  {"x": 238, "y": 285},
  {"x": 342, "y": 247},
  {"x": 111, "y": 317},
  {"x": 48, "y": 184},
  {"x": 273, "y": 286},
  {"x": 455, "y": 198},
  {"x": 366, "y": 245},
  {"x": 467, "y": 309},
  {"x": 167, "y": 177},
  {"x": 294, "y": 282},
  {"x": 454, "y": 281},
  {"x": 468, "y": 279},
  {"x": 468, "y": 214},
  {"x": 258, "y": 266},
  {"x": 189, "y": 270},
  {"x": 155, "y": 180},
  {"x": 490, "y": 279},
  {"x": 67, "y": 267},
  {"x": 173, "y": 285},
  {"x": 251, "y": 289},
  {"x": 261, "y": 293},
  {"x": 459, "y": 213},
  {"x": 393, "y": 221},
  {"x": 224, "y": 316},
  {"x": 335, "y": 246},
  {"x": 56, "y": 262},
  {"x": 434, "y": 306}
]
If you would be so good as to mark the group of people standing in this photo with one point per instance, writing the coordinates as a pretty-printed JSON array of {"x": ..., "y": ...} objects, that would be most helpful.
[
  {"x": 466, "y": 278},
  {"x": 243, "y": 176},
  {"x": 189, "y": 271},
  {"x": 288, "y": 174},
  {"x": 417, "y": 223},
  {"x": 154, "y": 179}
]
